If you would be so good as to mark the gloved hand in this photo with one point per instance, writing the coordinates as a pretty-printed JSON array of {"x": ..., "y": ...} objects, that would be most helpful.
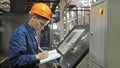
[{"x": 42, "y": 55}]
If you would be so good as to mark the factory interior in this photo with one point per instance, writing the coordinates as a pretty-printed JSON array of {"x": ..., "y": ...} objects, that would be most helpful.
[{"x": 80, "y": 33}]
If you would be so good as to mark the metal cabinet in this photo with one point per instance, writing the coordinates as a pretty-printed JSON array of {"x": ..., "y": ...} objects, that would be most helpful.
[
  {"x": 105, "y": 35},
  {"x": 97, "y": 37}
]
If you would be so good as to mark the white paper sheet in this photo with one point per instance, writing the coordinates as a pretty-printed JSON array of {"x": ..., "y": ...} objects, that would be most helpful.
[{"x": 53, "y": 54}]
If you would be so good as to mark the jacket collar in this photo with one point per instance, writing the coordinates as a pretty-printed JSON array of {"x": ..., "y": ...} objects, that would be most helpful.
[{"x": 30, "y": 29}]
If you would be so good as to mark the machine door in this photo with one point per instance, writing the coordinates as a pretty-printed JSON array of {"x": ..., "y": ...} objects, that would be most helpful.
[{"x": 97, "y": 36}]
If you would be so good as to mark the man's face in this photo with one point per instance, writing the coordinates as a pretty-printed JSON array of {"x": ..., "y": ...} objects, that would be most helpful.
[{"x": 39, "y": 23}]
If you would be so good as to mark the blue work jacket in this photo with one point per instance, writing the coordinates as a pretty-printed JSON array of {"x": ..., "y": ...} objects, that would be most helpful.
[{"x": 23, "y": 47}]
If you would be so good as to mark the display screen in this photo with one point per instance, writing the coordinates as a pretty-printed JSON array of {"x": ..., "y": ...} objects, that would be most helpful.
[
  {"x": 75, "y": 45},
  {"x": 70, "y": 40},
  {"x": 72, "y": 34}
]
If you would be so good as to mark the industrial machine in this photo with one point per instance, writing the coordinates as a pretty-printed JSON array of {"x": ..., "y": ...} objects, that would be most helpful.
[
  {"x": 74, "y": 47},
  {"x": 104, "y": 34}
]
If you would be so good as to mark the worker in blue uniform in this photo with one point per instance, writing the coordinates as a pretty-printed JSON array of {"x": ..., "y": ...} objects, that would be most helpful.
[{"x": 24, "y": 50}]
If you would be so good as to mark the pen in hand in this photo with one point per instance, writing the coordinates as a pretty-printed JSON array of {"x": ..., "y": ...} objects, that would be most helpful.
[{"x": 40, "y": 49}]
